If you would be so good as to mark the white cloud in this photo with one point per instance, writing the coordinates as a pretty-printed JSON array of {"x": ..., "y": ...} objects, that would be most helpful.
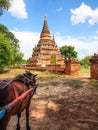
[
  {"x": 94, "y": 17},
  {"x": 29, "y": 39},
  {"x": 18, "y": 9},
  {"x": 80, "y": 44},
  {"x": 84, "y": 13},
  {"x": 97, "y": 32},
  {"x": 59, "y": 9}
]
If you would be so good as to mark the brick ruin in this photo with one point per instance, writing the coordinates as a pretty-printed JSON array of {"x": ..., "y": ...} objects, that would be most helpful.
[
  {"x": 72, "y": 66},
  {"x": 94, "y": 66},
  {"x": 47, "y": 57}
]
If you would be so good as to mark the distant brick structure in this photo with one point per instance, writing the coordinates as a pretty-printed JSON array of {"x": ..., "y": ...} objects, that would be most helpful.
[
  {"x": 94, "y": 66},
  {"x": 46, "y": 52},
  {"x": 47, "y": 57},
  {"x": 71, "y": 66}
]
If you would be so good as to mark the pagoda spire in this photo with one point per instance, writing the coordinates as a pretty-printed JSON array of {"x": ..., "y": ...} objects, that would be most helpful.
[{"x": 45, "y": 34}]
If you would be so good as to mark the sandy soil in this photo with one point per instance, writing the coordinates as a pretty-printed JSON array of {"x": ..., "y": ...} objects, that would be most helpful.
[{"x": 62, "y": 104}]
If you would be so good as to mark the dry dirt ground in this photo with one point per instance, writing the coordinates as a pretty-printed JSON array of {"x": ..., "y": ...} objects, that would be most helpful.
[{"x": 62, "y": 103}]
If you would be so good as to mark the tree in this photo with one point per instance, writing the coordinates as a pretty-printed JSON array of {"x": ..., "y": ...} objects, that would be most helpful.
[
  {"x": 25, "y": 61},
  {"x": 19, "y": 57},
  {"x": 13, "y": 40},
  {"x": 9, "y": 35},
  {"x": 68, "y": 52},
  {"x": 4, "y": 5},
  {"x": 6, "y": 51},
  {"x": 15, "y": 57},
  {"x": 85, "y": 61}
]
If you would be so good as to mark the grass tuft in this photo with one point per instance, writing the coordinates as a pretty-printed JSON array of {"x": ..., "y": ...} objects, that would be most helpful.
[
  {"x": 74, "y": 83},
  {"x": 53, "y": 83},
  {"x": 94, "y": 83}
]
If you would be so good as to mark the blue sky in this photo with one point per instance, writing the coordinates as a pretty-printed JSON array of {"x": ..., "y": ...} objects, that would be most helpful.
[{"x": 73, "y": 22}]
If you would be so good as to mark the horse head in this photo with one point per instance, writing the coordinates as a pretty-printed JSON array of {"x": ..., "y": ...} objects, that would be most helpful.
[{"x": 31, "y": 78}]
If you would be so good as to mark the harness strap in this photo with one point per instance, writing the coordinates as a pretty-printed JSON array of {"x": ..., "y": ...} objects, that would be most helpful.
[
  {"x": 8, "y": 83},
  {"x": 27, "y": 78}
]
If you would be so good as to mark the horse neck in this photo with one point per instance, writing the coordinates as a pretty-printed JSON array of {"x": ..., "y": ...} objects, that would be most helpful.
[
  {"x": 18, "y": 88},
  {"x": 3, "y": 95}
]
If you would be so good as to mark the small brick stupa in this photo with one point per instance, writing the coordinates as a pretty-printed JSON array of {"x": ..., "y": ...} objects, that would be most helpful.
[
  {"x": 46, "y": 53},
  {"x": 94, "y": 66}
]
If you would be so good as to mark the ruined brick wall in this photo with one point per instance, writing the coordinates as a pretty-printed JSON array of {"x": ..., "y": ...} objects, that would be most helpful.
[
  {"x": 94, "y": 67},
  {"x": 57, "y": 68},
  {"x": 71, "y": 66}
]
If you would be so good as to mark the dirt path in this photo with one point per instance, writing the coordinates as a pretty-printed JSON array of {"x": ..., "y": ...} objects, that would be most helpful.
[{"x": 63, "y": 104}]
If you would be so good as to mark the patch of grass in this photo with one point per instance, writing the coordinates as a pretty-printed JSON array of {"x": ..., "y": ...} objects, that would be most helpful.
[
  {"x": 84, "y": 72},
  {"x": 94, "y": 83},
  {"x": 74, "y": 83},
  {"x": 43, "y": 84},
  {"x": 53, "y": 83},
  {"x": 13, "y": 72},
  {"x": 47, "y": 75}
]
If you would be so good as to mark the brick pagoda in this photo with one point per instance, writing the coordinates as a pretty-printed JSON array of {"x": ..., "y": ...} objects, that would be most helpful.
[{"x": 46, "y": 54}]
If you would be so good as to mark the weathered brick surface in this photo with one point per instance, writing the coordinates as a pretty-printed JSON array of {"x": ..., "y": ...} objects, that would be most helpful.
[
  {"x": 46, "y": 52},
  {"x": 47, "y": 57},
  {"x": 72, "y": 66},
  {"x": 94, "y": 67}
]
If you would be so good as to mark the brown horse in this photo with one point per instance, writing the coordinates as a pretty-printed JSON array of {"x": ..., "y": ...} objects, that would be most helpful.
[{"x": 11, "y": 90}]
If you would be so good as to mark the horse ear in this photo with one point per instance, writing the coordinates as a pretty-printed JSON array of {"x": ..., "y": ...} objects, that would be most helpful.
[
  {"x": 27, "y": 71},
  {"x": 35, "y": 75}
]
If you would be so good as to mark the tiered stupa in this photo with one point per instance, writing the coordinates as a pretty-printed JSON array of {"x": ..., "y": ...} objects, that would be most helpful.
[{"x": 46, "y": 52}]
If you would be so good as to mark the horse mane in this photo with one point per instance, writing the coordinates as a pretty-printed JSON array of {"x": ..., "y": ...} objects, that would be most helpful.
[{"x": 23, "y": 78}]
